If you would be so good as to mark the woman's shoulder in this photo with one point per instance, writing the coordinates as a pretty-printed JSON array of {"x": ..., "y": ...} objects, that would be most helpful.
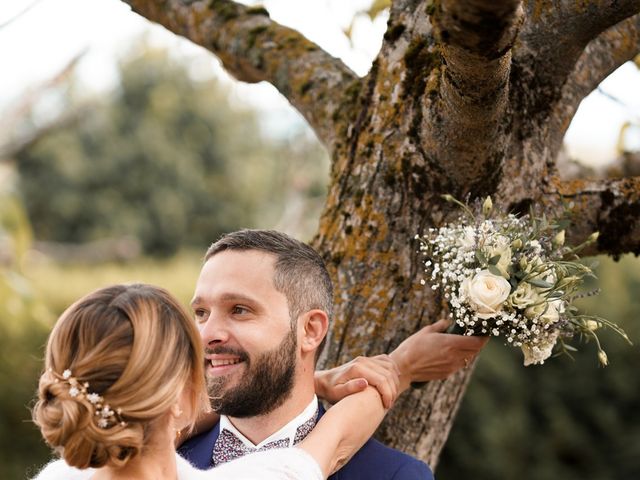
[{"x": 59, "y": 470}]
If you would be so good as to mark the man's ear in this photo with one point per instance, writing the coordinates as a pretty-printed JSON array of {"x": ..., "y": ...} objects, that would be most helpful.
[{"x": 313, "y": 329}]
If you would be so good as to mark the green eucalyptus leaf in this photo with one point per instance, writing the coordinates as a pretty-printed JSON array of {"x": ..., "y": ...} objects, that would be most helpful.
[
  {"x": 493, "y": 269},
  {"x": 494, "y": 260},
  {"x": 536, "y": 282}
]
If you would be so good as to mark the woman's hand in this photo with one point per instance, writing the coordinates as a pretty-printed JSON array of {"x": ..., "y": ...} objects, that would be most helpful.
[{"x": 380, "y": 372}]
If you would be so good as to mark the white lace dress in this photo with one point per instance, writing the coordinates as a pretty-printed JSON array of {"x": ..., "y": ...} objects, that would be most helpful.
[{"x": 279, "y": 464}]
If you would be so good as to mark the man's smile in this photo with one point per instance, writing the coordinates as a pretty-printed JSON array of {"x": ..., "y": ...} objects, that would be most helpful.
[{"x": 217, "y": 365}]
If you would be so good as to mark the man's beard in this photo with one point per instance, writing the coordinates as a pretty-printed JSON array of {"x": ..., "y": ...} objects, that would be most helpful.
[{"x": 265, "y": 385}]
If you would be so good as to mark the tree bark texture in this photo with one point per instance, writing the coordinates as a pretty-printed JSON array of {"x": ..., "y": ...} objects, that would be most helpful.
[{"x": 466, "y": 97}]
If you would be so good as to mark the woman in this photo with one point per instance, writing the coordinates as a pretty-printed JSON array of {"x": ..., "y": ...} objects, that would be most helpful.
[{"x": 124, "y": 373}]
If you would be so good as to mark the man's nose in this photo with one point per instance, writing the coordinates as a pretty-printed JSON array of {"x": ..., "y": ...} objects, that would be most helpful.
[{"x": 214, "y": 331}]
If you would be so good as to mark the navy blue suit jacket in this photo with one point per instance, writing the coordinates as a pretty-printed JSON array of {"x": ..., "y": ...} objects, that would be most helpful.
[{"x": 373, "y": 461}]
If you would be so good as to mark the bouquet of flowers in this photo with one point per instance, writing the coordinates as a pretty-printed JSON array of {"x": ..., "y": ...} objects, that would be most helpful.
[{"x": 512, "y": 277}]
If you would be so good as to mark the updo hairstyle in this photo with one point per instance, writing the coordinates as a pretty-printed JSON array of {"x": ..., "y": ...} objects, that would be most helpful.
[{"x": 138, "y": 349}]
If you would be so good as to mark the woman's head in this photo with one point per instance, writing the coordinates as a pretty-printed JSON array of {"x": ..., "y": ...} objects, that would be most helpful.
[{"x": 129, "y": 347}]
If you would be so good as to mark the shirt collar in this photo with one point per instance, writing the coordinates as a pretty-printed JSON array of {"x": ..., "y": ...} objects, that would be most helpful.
[{"x": 286, "y": 432}]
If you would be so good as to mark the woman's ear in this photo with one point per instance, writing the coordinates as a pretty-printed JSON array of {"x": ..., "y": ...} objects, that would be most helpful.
[
  {"x": 315, "y": 324},
  {"x": 176, "y": 411}
]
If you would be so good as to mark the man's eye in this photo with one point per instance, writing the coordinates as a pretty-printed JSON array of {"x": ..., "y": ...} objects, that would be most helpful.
[
  {"x": 239, "y": 310},
  {"x": 199, "y": 314}
]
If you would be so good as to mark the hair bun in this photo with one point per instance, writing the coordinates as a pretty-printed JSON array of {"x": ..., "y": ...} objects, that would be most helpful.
[{"x": 69, "y": 425}]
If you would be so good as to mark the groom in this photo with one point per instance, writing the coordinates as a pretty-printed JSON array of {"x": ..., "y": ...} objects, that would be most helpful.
[{"x": 262, "y": 304}]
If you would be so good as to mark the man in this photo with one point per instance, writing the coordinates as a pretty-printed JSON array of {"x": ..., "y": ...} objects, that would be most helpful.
[{"x": 263, "y": 302}]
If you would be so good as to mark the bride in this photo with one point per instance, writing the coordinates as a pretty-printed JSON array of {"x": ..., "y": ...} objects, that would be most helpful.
[{"x": 124, "y": 373}]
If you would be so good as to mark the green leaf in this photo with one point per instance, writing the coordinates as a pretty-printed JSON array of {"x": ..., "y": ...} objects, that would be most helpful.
[
  {"x": 494, "y": 260},
  {"x": 481, "y": 257},
  {"x": 536, "y": 282},
  {"x": 493, "y": 269}
]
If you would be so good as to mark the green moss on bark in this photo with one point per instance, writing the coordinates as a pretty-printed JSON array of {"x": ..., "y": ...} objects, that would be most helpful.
[
  {"x": 257, "y": 10},
  {"x": 225, "y": 11}
]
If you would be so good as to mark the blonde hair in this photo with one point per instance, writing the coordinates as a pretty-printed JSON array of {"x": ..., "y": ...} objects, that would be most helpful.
[{"x": 137, "y": 348}]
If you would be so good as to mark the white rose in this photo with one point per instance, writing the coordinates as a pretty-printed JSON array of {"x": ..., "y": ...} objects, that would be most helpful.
[
  {"x": 541, "y": 351},
  {"x": 501, "y": 246},
  {"x": 524, "y": 296},
  {"x": 485, "y": 293}
]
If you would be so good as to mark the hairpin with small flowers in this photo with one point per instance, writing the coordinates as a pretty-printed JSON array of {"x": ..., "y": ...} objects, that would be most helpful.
[{"x": 107, "y": 416}]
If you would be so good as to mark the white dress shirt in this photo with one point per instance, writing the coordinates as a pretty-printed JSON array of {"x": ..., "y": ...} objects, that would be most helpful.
[{"x": 286, "y": 432}]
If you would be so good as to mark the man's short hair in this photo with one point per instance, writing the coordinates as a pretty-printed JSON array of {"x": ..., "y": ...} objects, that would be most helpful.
[{"x": 300, "y": 273}]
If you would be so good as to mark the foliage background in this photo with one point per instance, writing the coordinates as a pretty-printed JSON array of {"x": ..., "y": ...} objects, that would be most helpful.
[{"x": 168, "y": 162}]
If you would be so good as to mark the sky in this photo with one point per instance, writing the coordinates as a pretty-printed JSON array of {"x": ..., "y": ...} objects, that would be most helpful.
[{"x": 49, "y": 33}]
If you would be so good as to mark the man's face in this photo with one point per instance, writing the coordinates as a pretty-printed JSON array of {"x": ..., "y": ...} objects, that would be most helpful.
[{"x": 244, "y": 322}]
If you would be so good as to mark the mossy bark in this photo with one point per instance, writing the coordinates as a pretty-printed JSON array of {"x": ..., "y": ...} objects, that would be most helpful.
[{"x": 469, "y": 97}]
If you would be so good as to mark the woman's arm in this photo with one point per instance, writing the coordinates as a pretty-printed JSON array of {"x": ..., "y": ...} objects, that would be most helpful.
[
  {"x": 428, "y": 354},
  {"x": 344, "y": 429}
]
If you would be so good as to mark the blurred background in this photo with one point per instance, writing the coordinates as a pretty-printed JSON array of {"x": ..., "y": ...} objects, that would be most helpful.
[{"x": 125, "y": 151}]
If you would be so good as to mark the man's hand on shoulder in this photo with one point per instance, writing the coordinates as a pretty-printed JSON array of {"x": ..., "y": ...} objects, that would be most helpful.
[{"x": 380, "y": 372}]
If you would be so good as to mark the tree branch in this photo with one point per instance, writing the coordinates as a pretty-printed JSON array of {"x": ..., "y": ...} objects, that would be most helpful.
[
  {"x": 475, "y": 38},
  {"x": 555, "y": 34},
  {"x": 611, "y": 207},
  {"x": 583, "y": 21},
  {"x": 254, "y": 48},
  {"x": 605, "y": 54},
  {"x": 600, "y": 58}
]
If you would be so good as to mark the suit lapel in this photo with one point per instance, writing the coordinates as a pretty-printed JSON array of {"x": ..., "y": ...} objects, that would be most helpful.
[{"x": 199, "y": 450}]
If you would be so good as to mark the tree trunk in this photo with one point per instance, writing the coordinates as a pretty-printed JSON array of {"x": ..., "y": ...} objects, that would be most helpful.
[{"x": 466, "y": 97}]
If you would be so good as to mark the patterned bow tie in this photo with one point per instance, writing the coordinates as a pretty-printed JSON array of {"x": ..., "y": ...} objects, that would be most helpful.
[{"x": 229, "y": 447}]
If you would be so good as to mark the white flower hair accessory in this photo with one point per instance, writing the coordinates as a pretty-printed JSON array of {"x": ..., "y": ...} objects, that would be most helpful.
[{"x": 107, "y": 416}]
